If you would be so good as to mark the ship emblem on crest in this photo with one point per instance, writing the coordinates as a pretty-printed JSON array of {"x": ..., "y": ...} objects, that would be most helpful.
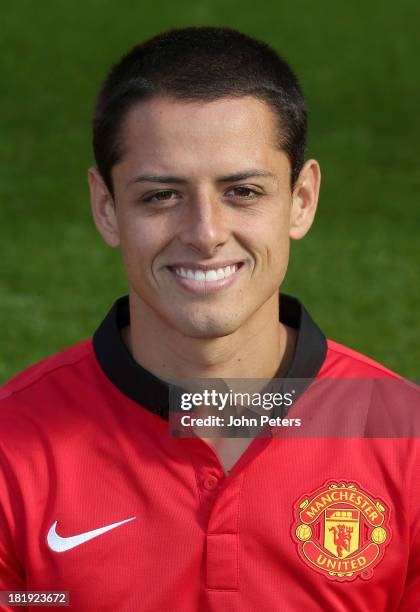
[{"x": 341, "y": 530}]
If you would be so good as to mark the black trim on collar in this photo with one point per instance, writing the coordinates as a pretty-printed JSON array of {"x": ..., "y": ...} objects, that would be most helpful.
[{"x": 152, "y": 393}]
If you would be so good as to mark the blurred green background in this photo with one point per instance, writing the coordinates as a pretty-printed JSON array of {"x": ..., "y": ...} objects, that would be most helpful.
[{"x": 357, "y": 270}]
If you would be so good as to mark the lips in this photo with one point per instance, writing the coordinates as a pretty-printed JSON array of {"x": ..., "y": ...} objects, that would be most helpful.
[{"x": 206, "y": 278}]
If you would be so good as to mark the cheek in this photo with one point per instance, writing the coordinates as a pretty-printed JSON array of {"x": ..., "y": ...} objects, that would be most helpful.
[
  {"x": 143, "y": 241},
  {"x": 135, "y": 250},
  {"x": 268, "y": 239},
  {"x": 140, "y": 238}
]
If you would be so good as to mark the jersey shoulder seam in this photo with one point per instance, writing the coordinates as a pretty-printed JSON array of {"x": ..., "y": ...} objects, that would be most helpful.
[
  {"x": 355, "y": 356},
  {"x": 38, "y": 378}
]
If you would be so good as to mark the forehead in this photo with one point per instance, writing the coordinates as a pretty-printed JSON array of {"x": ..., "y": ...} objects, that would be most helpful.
[{"x": 223, "y": 132}]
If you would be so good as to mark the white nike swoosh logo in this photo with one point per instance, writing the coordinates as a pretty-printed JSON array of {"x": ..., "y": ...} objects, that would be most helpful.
[{"x": 60, "y": 544}]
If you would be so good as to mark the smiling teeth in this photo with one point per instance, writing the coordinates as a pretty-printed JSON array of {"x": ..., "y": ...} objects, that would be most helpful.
[{"x": 207, "y": 276}]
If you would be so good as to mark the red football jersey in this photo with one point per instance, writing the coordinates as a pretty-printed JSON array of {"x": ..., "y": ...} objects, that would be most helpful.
[{"x": 98, "y": 499}]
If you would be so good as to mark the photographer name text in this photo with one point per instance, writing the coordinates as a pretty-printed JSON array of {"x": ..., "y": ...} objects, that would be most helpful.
[{"x": 239, "y": 421}]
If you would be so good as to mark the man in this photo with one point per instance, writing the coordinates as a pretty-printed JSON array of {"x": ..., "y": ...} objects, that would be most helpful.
[{"x": 201, "y": 180}]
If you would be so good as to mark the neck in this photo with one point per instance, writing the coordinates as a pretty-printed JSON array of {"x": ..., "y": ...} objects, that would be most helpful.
[{"x": 258, "y": 349}]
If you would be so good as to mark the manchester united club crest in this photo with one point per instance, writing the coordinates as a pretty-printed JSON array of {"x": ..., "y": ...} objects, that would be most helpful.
[{"x": 341, "y": 530}]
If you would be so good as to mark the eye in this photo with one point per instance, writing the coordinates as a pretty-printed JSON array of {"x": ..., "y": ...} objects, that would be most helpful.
[
  {"x": 245, "y": 192},
  {"x": 160, "y": 196}
]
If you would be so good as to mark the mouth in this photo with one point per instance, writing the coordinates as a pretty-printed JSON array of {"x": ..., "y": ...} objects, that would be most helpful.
[{"x": 206, "y": 278}]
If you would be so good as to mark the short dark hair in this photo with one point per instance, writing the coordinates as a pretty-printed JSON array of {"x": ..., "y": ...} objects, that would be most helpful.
[{"x": 199, "y": 63}]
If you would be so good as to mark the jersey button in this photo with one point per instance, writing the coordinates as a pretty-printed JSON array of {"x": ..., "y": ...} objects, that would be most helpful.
[{"x": 210, "y": 483}]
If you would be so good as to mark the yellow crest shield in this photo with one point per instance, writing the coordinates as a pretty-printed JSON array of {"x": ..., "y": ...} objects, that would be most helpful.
[{"x": 341, "y": 531}]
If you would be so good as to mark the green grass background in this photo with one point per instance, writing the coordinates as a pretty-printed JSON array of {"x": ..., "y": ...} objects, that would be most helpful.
[{"x": 357, "y": 270}]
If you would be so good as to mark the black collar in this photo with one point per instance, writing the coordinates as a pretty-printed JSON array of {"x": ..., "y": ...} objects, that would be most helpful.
[{"x": 152, "y": 393}]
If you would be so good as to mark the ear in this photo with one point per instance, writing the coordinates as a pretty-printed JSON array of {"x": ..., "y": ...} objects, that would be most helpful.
[
  {"x": 305, "y": 199},
  {"x": 103, "y": 208}
]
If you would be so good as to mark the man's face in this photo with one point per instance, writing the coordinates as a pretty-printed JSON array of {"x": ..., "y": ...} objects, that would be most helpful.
[{"x": 203, "y": 211}]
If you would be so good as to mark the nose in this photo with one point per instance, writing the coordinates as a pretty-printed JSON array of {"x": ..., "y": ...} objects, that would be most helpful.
[{"x": 204, "y": 224}]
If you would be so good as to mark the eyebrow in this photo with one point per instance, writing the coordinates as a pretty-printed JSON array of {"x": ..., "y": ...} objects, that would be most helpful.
[{"x": 239, "y": 176}]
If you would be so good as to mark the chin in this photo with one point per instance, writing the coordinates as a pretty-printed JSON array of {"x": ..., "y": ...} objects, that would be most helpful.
[{"x": 207, "y": 327}]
